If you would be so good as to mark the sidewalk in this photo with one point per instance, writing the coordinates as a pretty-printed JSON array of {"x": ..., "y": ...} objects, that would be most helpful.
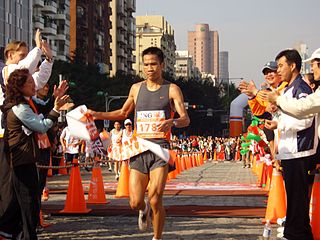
[{"x": 213, "y": 201}]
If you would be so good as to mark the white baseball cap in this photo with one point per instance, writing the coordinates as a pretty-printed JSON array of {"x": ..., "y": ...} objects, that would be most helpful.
[
  {"x": 314, "y": 55},
  {"x": 127, "y": 121}
]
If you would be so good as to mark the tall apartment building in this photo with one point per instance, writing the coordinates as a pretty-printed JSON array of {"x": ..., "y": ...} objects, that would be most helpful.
[
  {"x": 52, "y": 17},
  {"x": 203, "y": 46},
  {"x": 123, "y": 36},
  {"x": 89, "y": 32},
  {"x": 154, "y": 31},
  {"x": 15, "y": 22},
  {"x": 224, "y": 67},
  {"x": 185, "y": 67}
]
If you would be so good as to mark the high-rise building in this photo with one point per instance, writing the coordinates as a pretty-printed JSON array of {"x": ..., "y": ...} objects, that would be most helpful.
[
  {"x": 203, "y": 46},
  {"x": 123, "y": 36},
  {"x": 52, "y": 17},
  {"x": 224, "y": 67},
  {"x": 89, "y": 32},
  {"x": 184, "y": 66},
  {"x": 15, "y": 22},
  {"x": 154, "y": 31}
]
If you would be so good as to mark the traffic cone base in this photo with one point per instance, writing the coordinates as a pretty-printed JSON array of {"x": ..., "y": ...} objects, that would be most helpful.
[
  {"x": 75, "y": 201},
  {"x": 62, "y": 171},
  {"x": 123, "y": 184},
  {"x": 277, "y": 205},
  {"x": 315, "y": 207},
  {"x": 96, "y": 194}
]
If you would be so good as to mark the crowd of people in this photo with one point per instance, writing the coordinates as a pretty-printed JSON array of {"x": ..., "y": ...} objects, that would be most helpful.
[
  {"x": 288, "y": 106},
  {"x": 287, "y": 103}
]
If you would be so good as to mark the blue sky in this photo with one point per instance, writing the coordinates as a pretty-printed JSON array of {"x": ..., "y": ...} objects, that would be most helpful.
[{"x": 253, "y": 31}]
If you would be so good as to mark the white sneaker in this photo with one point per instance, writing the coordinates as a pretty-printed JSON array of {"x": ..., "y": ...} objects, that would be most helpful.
[
  {"x": 144, "y": 220},
  {"x": 280, "y": 235},
  {"x": 280, "y": 229}
]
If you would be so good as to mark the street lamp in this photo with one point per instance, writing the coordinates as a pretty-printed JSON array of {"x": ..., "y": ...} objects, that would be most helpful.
[{"x": 109, "y": 99}]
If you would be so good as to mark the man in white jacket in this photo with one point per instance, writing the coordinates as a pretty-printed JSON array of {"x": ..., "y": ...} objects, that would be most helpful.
[
  {"x": 301, "y": 108},
  {"x": 297, "y": 145}
]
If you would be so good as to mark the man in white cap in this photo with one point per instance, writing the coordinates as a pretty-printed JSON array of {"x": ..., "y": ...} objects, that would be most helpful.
[{"x": 127, "y": 132}]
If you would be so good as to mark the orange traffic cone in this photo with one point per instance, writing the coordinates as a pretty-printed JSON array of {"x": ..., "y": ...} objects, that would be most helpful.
[
  {"x": 205, "y": 157},
  {"x": 315, "y": 207},
  {"x": 277, "y": 206},
  {"x": 269, "y": 178},
  {"x": 75, "y": 202},
  {"x": 62, "y": 171},
  {"x": 194, "y": 160},
  {"x": 215, "y": 155},
  {"x": 123, "y": 184},
  {"x": 42, "y": 222},
  {"x": 96, "y": 194},
  {"x": 183, "y": 163},
  {"x": 49, "y": 174}
]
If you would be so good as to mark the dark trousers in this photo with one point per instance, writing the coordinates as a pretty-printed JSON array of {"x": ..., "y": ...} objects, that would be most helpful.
[
  {"x": 26, "y": 187},
  {"x": 70, "y": 156},
  {"x": 295, "y": 175},
  {"x": 43, "y": 172}
]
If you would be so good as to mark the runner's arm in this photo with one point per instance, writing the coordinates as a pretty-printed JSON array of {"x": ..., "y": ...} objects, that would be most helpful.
[
  {"x": 176, "y": 95},
  {"x": 121, "y": 113}
]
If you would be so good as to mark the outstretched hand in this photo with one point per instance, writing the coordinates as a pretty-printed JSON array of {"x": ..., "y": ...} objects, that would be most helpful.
[
  {"x": 37, "y": 39},
  {"x": 61, "y": 89},
  {"x": 248, "y": 88},
  {"x": 60, "y": 101},
  {"x": 92, "y": 113}
]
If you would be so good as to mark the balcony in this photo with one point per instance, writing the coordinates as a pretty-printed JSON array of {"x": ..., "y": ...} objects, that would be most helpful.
[
  {"x": 62, "y": 15},
  {"x": 60, "y": 37},
  {"x": 49, "y": 7},
  {"x": 120, "y": 52},
  {"x": 131, "y": 5},
  {"x": 38, "y": 3},
  {"x": 50, "y": 29},
  {"x": 120, "y": 39},
  {"x": 120, "y": 24},
  {"x": 38, "y": 23},
  {"x": 131, "y": 58}
]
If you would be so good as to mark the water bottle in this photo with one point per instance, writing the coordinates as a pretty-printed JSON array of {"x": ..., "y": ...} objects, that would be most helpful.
[{"x": 267, "y": 230}]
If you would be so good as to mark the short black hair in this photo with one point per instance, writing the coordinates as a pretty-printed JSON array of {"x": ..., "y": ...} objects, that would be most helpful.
[
  {"x": 154, "y": 51},
  {"x": 292, "y": 56}
]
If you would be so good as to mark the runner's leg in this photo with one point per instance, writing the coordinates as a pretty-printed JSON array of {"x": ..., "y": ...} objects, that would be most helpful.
[
  {"x": 138, "y": 183},
  {"x": 158, "y": 178}
]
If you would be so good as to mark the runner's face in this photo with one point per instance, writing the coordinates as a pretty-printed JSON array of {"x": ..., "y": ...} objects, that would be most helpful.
[
  {"x": 117, "y": 125},
  {"x": 152, "y": 67}
]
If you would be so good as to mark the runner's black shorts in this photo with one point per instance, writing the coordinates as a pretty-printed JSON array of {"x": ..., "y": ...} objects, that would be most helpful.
[{"x": 147, "y": 161}]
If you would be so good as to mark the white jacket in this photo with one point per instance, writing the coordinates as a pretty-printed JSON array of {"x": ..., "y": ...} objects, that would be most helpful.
[
  {"x": 303, "y": 107},
  {"x": 30, "y": 62},
  {"x": 297, "y": 137}
]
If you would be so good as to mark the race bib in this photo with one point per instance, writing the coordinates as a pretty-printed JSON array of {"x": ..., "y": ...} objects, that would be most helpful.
[{"x": 148, "y": 122}]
